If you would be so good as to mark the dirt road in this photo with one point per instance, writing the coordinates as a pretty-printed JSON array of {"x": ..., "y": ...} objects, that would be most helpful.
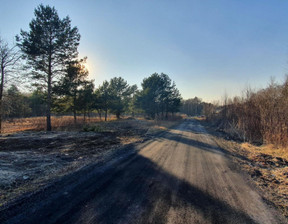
[{"x": 179, "y": 177}]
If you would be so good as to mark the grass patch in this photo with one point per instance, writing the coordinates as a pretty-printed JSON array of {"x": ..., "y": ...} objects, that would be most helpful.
[
  {"x": 269, "y": 149},
  {"x": 93, "y": 128}
]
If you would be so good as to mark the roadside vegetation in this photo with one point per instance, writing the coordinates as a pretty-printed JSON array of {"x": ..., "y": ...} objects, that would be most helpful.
[
  {"x": 258, "y": 117},
  {"x": 253, "y": 129},
  {"x": 267, "y": 165}
]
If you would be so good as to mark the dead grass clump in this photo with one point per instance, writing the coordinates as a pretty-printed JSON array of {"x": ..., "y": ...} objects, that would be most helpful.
[
  {"x": 267, "y": 165},
  {"x": 269, "y": 149},
  {"x": 156, "y": 126}
]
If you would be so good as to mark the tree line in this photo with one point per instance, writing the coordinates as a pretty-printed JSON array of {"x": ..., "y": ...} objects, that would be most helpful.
[
  {"x": 48, "y": 55},
  {"x": 196, "y": 107}
]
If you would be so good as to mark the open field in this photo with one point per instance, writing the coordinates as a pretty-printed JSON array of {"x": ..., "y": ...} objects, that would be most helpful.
[
  {"x": 66, "y": 123},
  {"x": 39, "y": 123}
]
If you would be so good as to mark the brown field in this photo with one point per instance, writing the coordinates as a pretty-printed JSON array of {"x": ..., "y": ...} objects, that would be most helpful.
[
  {"x": 66, "y": 123},
  {"x": 59, "y": 123}
]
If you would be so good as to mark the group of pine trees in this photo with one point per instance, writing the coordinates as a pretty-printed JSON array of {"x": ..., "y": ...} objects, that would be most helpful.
[{"x": 48, "y": 54}]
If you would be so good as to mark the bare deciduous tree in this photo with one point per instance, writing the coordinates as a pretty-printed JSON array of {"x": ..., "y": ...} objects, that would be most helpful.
[
  {"x": 259, "y": 116},
  {"x": 8, "y": 60}
]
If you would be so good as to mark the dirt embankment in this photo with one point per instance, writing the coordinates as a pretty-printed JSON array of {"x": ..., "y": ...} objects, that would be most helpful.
[
  {"x": 30, "y": 160},
  {"x": 267, "y": 165}
]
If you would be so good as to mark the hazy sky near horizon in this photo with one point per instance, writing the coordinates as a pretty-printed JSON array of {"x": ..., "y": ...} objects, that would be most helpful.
[{"x": 208, "y": 47}]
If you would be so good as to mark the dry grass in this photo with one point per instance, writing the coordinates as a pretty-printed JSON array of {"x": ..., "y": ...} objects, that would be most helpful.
[
  {"x": 163, "y": 125},
  {"x": 200, "y": 118},
  {"x": 39, "y": 123},
  {"x": 66, "y": 123},
  {"x": 264, "y": 164},
  {"x": 269, "y": 149}
]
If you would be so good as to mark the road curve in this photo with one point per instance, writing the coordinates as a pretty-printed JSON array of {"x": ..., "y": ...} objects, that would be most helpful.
[{"x": 180, "y": 177}]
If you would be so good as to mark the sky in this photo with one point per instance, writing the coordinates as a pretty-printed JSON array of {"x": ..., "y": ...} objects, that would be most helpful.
[{"x": 208, "y": 47}]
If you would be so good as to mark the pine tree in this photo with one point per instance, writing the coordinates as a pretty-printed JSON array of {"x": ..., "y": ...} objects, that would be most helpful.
[{"x": 48, "y": 46}]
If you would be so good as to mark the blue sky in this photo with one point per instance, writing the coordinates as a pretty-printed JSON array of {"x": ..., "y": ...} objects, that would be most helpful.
[{"x": 208, "y": 47}]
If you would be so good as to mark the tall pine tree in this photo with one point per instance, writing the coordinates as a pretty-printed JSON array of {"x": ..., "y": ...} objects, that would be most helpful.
[{"x": 49, "y": 45}]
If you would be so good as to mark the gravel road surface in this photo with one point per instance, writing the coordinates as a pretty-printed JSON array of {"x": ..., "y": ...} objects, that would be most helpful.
[{"x": 180, "y": 176}]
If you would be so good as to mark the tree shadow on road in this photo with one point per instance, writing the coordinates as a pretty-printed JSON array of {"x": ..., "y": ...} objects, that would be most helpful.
[
  {"x": 200, "y": 144},
  {"x": 131, "y": 190},
  {"x": 142, "y": 192}
]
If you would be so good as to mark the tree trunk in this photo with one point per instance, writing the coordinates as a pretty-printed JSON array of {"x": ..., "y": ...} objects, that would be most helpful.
[
  {"x": 75, "y": 116},
  {"x": 152, "y": 115},
  {"x": 1, "y": 116},
  {"x": 89, "y": 115},
  {"x": 118, "y": 115},
  {"x": 100, "y": 115},
  {"x": 84, "y": 114},
  {"x": 48, "y": 111},
  {"x": 106, "y": 111},
  {"x": 1, "y": 96},
  {"x": 74, "y": 109}
]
